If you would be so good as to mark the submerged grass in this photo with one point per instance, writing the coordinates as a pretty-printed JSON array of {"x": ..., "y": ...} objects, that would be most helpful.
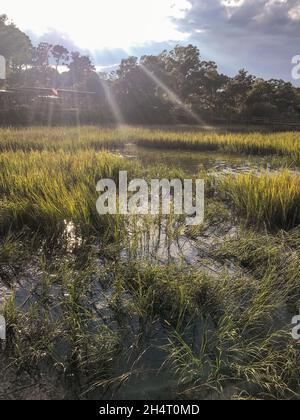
[
  {"x": 224, "y": 337},
  {"x": 219, "y": 337},
  {"x": 85, "y": 310},
  {"x": 59, "y": 332}
]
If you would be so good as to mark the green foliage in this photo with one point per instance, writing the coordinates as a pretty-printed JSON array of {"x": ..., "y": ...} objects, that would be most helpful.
[{"x": 15, "y": 46}]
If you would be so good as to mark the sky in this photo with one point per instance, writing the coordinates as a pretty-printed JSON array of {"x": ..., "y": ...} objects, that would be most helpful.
[{"x": 259, "y": 35}]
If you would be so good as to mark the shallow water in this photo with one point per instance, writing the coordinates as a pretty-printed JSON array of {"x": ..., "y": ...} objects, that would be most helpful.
[{"x": 193, "y": 162}]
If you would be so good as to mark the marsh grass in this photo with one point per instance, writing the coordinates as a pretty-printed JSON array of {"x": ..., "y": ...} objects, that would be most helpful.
[
  {"x": 59, "y": 330},
  {"x": 268, "y": 199},
  {"x": 99, "y": 138},
  {"x": 262, "y": 253},
  {"x": 84, "y": 306},
  {"x": 60, "y": 138},
  {"x": 280, "y": 144},
  {"x": 42, "y": 190},
  {"x": 248, "y": 350},
  {"x": 221, "y": 337},
  {"x": 224, "y": 337}
]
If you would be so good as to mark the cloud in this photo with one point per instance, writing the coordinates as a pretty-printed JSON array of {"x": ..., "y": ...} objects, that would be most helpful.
[
  {"x": 260, "y": 35},
  {"x": 52, "y": 36},
  {"x": 105, "y": 59}
]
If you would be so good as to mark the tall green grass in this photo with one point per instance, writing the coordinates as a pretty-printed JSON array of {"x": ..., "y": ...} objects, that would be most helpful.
[
  {"x": 43, "y": 190},
  {"x": 87, "y": 137},
  {"x": 271, "y": 200},
  {"x": 46, "y": 189},
  {"x": 280, "y": 144},
  {"x": 65, "y": 138}
]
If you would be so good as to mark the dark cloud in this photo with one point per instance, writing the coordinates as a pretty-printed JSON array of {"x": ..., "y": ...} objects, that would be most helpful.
[
  {"x": 55, "y": 37},
  {"x": 260, "y": 35}
]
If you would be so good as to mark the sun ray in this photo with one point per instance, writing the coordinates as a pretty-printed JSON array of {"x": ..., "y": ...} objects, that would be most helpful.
[
  {"x": 172, "y": 95},
  {"x": 114, "y": 107}
]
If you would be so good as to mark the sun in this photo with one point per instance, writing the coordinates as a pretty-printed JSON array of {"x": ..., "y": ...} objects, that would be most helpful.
[{"x": 99, "y": 24}]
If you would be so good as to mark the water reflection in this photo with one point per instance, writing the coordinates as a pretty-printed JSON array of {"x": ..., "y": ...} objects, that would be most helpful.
[{"x": 193, "y": 162}]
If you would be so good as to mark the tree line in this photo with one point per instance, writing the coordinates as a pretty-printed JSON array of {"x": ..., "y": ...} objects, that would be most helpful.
[{"x": 174, "y": 86}]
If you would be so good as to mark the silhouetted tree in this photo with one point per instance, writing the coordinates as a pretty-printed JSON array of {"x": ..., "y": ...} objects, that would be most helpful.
[
  {"x": 60, "y": 55},
  {"x": 81, "y": 69},
  {"x": 15, "y": 46},
  {"x": 151, "y": 89}
]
